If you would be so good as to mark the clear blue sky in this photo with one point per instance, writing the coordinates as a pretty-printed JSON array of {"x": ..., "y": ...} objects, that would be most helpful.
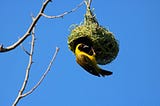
[{"x": 135, "y": 80}]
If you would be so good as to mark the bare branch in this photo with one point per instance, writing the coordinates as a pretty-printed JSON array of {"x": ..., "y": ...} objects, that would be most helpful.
[
  {"x": 27, "y": 71},
  {"x": 24, "y": 50},
  {"x": 33, "y": 33},
  {"x": 2, "y": 49},
  {"x": 30, "y": 31},
  {"x": 65, "y": 13},
  {"x": 20, "y": 94},
  {"x": 44, "y": 75}
]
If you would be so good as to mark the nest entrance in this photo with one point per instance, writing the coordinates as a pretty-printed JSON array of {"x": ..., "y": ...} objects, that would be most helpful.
[{"x": 85, "y": 40}]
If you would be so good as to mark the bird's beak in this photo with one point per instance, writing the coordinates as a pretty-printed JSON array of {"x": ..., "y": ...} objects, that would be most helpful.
[{"x": 85, "y": 46}]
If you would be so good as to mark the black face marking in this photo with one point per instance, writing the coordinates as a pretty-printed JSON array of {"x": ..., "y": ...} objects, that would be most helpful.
[{"x": 85, "y": 48}]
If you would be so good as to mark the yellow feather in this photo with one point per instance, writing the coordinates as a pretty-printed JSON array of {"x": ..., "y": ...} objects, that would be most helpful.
[
  {"x": 77, "y": 51},
  {"x": 88, "y": 62}
]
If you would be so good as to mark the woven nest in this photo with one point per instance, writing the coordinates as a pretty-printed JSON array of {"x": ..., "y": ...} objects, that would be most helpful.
[{"x": 91, "y": 33}]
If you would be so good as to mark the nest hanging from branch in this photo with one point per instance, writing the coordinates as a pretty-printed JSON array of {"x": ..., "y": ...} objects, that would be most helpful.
[{"x": 91, "y": 33}]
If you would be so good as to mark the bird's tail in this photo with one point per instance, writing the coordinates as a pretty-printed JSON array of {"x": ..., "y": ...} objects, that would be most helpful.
[{"x": 105, "y": 72}]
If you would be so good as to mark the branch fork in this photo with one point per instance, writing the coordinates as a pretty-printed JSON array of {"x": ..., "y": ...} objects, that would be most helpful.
[{"x": 31, "y": 32}]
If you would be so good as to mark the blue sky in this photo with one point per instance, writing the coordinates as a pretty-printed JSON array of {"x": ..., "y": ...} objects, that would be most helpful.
[{"x": 135, "y": 79}]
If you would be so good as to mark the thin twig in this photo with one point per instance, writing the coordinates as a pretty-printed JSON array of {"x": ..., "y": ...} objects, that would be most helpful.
[
  {"x": 65, "y": 13},
  {"x": 44, "y": 75},
  {"x": 33, "y": 33},
  {"x": 28, "y": 33},
  {"x": 27, "y": 72},
  {"x": 24, "y": 50}
]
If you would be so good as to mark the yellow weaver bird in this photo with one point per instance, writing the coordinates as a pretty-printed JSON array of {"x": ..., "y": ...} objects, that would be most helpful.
[{"x": 85, "y": 57}]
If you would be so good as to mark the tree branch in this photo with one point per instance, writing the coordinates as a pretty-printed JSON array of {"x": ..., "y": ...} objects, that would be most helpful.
[
  {"x": 24, "y": 50},
  {"x": 27, "y": 71},
  {"x": 44, "y": 75},
  {"x": 2, "y": 49},
  {"x": 30, "y": 31},
  {"x": 65, "y": 13},
  {"x": 20, "y": 94}
]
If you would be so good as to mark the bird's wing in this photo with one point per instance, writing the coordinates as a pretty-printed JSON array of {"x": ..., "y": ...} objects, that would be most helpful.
[{"x": 87, "y": 64}]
